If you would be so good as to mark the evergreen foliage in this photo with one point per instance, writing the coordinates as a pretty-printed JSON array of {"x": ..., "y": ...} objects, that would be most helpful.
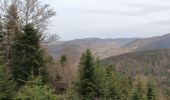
[
  {"x": 148, "y": 63},
  {"x": 140, "y": 93},
  {"x": 63, "y": 60},
  {"x": 98, "y": 82},
  {"x": 117, "y": 87},
  {"x": 86, "y": 84},
  {"x": 27, "y": 55},
  {"x": 151, "y": 91},
  {"x": 34, "y": 90},
  {"x": 7, "y": 84}
]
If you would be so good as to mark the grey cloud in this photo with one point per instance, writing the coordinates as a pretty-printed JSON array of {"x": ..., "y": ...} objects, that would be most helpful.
[
  {"x": 85, "y": 18},
  {"x": 143, "y": 9}
]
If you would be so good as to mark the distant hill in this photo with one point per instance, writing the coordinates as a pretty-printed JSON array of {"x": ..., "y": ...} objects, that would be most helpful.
[
  {"x": 118, "y": 41},
  {"x": 159, "y": 42},
  {"x": 155, "y": 63},
  {"x": 101, "y": 47},
  {"x": 104, "y": 48}
]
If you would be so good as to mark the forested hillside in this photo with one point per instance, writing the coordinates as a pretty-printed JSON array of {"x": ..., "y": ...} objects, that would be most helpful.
[
  {"x": 153, "y": 63},
  {"x": 152, "y": 43}
]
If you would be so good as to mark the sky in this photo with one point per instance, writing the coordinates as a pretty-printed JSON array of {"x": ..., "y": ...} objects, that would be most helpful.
[{"x": 77, "y": 19}]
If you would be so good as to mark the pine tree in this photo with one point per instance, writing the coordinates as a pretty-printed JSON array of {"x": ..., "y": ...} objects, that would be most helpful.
[
  {"x": 117, "y": 86},
  {"x": 100, "y": 79},
  {"x": 26, "y": 55},
  {"x": 63, "y": 62},
  {"x": 86, "y": 84},
  {"x": 7, "y": 85},
  {"x": 139, "y": 93},
  {"x": 109, "y": 84},
  {"x": 35, "y": 90},
  {"x": 151, "y": 91}
]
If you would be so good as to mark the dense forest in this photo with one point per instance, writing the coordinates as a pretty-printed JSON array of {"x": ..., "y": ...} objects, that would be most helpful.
[
  {"x": 28, "y": 72},
  {"x": 153, "y": 64}
]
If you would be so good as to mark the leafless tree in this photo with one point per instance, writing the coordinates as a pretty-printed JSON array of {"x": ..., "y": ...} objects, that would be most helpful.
[
  {"x": 30, "y": 11},
  {"x": 51, "y": 38},
  {"x": 10, "y": 26}
]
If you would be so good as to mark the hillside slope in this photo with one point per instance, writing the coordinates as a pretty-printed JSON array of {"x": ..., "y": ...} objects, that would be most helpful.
[
  {"x": 104, "y": 48},
  {"x": 158, "y": 42},
  {"x": 101, "y": 47},
  {"x": 155, "y": 63}
]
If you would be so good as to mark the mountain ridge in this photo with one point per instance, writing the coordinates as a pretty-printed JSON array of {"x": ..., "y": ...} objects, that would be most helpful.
[{"x": 104, "y": 48}]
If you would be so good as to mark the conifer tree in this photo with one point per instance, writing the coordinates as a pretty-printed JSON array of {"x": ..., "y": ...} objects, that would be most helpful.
[
  {"x": 151, "y": 91},
  {"x": 109, "y": 86},
  {"x": 100, "y": 79},
  {"x": 26, "y": 55},
  {"x": 86, "y": 84},
  {"x": 139, "y": 93},
  {"x": 7, "y": 84},
  {"x": 35, "y": 90},
  {"x": 63, "y": 62},
  {"x": 116, "y": 86}
]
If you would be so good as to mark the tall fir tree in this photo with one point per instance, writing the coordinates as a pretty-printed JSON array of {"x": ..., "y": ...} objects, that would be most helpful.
[
  {"x": 86, "y": 84},
  {"x": 151, "y": 91},
  {"x": 116, "y": 86},
  {"x": 139, "y": 93},
  {"x": 27, "y": 55},
  {"x": 100, "y": 79}
]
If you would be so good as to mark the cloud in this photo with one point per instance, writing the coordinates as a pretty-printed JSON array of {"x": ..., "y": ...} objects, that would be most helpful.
[
  {"x": 130, "y": 9},
  {"x": 106, "y": 18}
]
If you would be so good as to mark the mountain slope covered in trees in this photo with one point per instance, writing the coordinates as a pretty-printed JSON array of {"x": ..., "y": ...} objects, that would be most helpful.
[
  {"x": 153, "y": 64},
  {"x": 152, "y": 43}
]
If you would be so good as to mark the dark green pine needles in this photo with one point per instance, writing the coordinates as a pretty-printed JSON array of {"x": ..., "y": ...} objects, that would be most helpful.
[
  {"x": 27, "y": 55},
  {"x": 86, "y": 84}
]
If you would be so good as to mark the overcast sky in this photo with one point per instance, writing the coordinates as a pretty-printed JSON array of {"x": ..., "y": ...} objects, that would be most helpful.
[{"x": 109, "y": 18}]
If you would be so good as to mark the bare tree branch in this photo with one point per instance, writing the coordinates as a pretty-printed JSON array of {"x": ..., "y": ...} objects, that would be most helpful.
[{"x": 30, "y": 11}]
